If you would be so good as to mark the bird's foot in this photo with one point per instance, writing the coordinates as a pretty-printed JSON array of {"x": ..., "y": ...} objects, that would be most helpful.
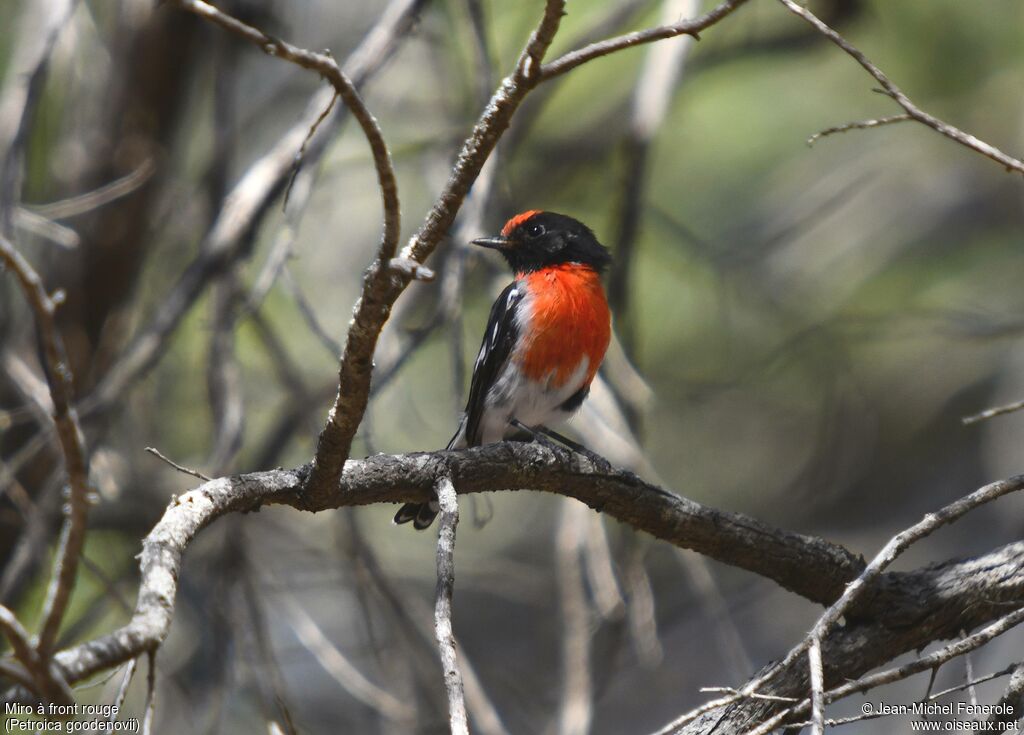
[{"x": 544, "y": 436}]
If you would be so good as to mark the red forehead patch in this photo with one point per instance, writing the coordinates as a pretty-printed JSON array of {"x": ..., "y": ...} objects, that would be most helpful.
[{"x": 517, "y": 220}]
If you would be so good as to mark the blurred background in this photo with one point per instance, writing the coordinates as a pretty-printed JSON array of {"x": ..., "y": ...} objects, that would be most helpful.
[{"x": 801, "y": 331}]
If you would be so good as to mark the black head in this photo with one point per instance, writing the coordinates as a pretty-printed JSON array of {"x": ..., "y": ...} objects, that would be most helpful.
[{"x": 534, "y": 240}]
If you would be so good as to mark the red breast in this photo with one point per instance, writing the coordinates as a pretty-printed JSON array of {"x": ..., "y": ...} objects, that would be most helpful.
[{"x": 569, "y": 320}]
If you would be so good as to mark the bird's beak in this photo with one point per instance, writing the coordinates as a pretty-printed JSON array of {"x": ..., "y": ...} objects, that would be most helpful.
[{"x": 497, "y": 243}]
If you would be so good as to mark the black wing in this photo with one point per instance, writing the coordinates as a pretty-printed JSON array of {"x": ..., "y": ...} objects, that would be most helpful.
[{"x": 499, "y": 339}]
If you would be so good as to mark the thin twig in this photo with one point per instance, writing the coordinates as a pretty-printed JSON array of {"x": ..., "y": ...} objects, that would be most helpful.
[
  {"x": 414, "y": 618},
  {"x": 122, "y": 692},
  {"x": 658, "y": 79},
  {"x": 180, "y": 468},
  {"x": 860, "y": 125},
  {"x": 302, "y": 149},
  {"x": 230, "y": 236},
  {"x": 576, "y": 709},
  {"x": 592, "y": 51},
  {"x": 308, "y": 314},
  {"x": 150, "y": 707},
  {"x": 600, "y": 570},
  {"x": 449, "y": 503},
  {"x": 888, "y": 676},
  {"x": 993, "y": 412},
  {"x": 72, "y": 446},
  {"x": 1012, "y": 699},
  {"x": 269, "y": 666},
  {"x": 897, "y": 95},
  {"x": 82, "y": 203},
  {"x": 47, "y": 682},
  {"x": 971, "y": 682},
  {"x": 324, "y": 65},
  {"x": 750, "y": 695},
  {"x": 28, "y": 221},
  {"x": 852, "y": 592}
]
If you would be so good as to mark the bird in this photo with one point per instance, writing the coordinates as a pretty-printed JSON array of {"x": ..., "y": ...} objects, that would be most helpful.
[{"x": 546, "y": 336}]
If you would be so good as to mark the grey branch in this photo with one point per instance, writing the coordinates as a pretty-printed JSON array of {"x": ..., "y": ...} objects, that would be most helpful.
[
  {"x": 901, "y": 611},
  {"x": 990, "y": 413},
  {"x": 72, "y": 445},
  {"x": 250, "y": 198},
  {"x": 382, "y": 286},
  {"x": 43, "y": 678},
  {"x": 900, "y": 98},
  {"x": 859, "y": 125},
  {"x": 449, "y": 503},
  {"x": 691, "y": 27}
]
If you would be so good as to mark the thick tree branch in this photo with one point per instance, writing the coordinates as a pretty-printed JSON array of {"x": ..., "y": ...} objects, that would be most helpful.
[
  {"x": 902, "y": 610},
  {"x": 899, "y": 612},
  {"x": 812, "y": 643}
]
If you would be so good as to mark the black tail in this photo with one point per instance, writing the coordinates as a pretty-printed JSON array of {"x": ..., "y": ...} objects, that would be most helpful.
[{"x": 423, "y": 514}]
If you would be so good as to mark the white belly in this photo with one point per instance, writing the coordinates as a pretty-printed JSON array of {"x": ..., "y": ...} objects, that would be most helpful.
[{"x": 531, "y": 402}]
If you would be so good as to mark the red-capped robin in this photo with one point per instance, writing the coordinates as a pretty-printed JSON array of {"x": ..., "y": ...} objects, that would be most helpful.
[{"x": 545, "y": 338}]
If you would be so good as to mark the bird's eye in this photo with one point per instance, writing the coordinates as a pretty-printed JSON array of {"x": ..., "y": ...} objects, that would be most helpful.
[{"x": 535, "y": 230}]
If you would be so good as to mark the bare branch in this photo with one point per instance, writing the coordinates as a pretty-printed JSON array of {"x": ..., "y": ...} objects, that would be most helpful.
[
  {"x": 860, "y": 125},
  {"x": 993, "y": 412},
  {"x": 1012, "y": 698},
  {"x": 692, "y": 27},
  {"x": 150, "y": 708},
  {"x": 82, "y": 203},
  {"x": 576, "y": 710},
  {"x": 924, "y": 663},
  {"x": 449, "y": 503},
  {"x": 122, "y": 692},
  {"x": 971, "y": 591},
  {"x": 47, "y": 682},
  {"x": 896, "y": 546},
  {"x": 340, "y": 668},
  {"x": 891, "y": 90},
  {"x": 187, "y": 470},
  {"x": 72, "y": 446},
  {"x": 328, "y": 68},
  {"x": 249, "y": 200},
  {"x": 381, "y": 287}
]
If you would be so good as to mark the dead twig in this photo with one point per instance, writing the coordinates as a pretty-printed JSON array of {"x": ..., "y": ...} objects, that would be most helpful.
[
  {"x": 897, "y": 95},
  {"x": 888, "y": 676},
  {"x": 576, "y": 710},
  {"x": 449, "y": 503},
  {"x": 592, "y": 51},
  {"x": 187, "y": 470},
  {"x": 122, "y": 692},
  {"x": 381, "y": 287},
  {"x": 993, "y": 412},
  {"x": 72, "y": 444},
  {"x": 250, "y": 198},
  {"x": 340, "y": 668},
  {"x": 860, "y": 125},
  {"x": 46, "y": 681}
]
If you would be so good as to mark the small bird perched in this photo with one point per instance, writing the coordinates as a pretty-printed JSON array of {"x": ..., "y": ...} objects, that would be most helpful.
[{"x": 545, "y": 338}]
